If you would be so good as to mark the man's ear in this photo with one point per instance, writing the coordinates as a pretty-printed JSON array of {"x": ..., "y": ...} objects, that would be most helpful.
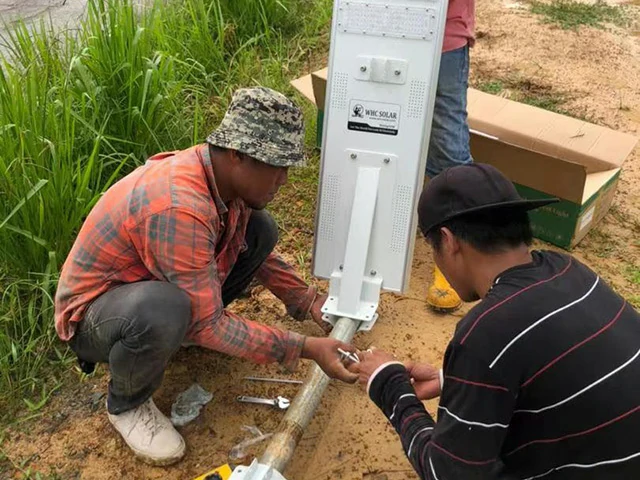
[
  {"x": 450, "y": 242},
  {"x": 236, "y": 160},
  {"x": 234, "y": 157}
]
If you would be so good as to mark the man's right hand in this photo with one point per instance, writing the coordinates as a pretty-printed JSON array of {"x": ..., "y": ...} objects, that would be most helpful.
[
  {"x": 324, "y": 351},
  {"x": 425, "y": 380}
]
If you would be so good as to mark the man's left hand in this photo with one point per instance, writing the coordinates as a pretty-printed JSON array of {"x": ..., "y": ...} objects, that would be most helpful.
[
  {"x": 316, "y": 313},
  {"x": 370, "y": 360}
]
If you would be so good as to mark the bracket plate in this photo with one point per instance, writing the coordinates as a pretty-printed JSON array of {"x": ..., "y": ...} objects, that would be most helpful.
[
  {"x": 381, "y": 69},
  {"x": 352, "y": 292},
  {"x": 256, "y": 471}
]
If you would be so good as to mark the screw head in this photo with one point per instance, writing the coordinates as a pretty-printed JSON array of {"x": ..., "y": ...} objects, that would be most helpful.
[
  {"x": 363, "y": 68},
  {"x": 397, "y": 73},
  {"x": 353, "y": 156},
  {"x": 373, "y": 273},
  {"x": 387, "y": 160},
  {"x": 341, "y": 267}
]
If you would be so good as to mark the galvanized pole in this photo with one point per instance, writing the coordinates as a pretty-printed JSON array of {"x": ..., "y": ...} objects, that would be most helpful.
[{"x": 283, "y": 443}]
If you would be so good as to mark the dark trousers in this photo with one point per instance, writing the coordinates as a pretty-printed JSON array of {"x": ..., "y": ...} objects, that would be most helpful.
[{"x": 137, "y": 327}]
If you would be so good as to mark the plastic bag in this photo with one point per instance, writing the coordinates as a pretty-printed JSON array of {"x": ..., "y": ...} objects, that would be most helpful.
[
  {"x": 239, "y": 451},
  {"x": 188, "y": 405}
]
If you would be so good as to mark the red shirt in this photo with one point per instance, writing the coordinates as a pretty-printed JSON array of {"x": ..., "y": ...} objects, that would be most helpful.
[
  {"x": 460, "y": 26},
  {"x": 164, "y": 222}
]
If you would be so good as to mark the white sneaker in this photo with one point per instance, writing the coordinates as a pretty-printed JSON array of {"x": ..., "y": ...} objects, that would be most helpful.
[{"x": 150, "y": 434}]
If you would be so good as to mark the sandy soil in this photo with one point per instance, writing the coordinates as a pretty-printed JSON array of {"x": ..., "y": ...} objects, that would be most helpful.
[{"x": 598, "y": 70}]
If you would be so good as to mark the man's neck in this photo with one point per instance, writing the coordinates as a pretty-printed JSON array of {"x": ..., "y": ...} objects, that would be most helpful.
[
  {"x": 222, "y": 176},
  {"x": 487, "y": 268}
]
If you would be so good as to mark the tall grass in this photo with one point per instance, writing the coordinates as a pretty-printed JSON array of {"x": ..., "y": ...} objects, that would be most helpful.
[{"x": 79, "y": 109}]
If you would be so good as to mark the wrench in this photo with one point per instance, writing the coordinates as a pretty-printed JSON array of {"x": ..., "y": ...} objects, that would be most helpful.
[{"x": 279, "y": 402}]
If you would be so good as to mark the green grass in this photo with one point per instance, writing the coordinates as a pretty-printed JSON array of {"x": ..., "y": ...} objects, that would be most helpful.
[
  {"x": 532, "y": 93},
  {"x": 526, "y": 91},
  {"x": 491, "y": 86},
  {"x": 633, "y": 274},
  {"x": 80, "y": 109},
  {"x": 570, "y": 14}
]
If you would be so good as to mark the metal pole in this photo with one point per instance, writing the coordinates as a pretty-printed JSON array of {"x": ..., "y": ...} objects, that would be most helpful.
[{"x": 283, "y": 443}]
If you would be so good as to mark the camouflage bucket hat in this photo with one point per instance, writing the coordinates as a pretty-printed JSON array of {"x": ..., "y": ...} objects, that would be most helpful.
[{"x": 263, "y": 124}]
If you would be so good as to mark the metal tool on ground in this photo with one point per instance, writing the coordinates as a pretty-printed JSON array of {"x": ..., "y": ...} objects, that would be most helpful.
[
  {"x": 383, "y": 70},
  {"x": 274, "y": 380},
  {"x": 279, "y": 402}
]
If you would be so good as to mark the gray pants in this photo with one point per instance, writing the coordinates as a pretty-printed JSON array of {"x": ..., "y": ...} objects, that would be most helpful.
[{"x": 137, "y": 327}]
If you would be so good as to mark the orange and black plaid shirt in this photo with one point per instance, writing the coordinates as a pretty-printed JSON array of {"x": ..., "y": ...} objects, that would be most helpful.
[{"x": 164, "y": 222}]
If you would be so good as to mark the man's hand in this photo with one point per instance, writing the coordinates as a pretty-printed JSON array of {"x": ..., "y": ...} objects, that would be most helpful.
[
  {"x": 370, "y": 360},
  {"x": 324, "y": 351},
  {"x": 316, "y": 313},
  {"x": 425, "y": 380}
]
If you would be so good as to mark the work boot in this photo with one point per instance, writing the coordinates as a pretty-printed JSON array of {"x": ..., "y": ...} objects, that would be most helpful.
[
  {"x": 441, "y": 296},
  {"x": 149, "y": 434}
]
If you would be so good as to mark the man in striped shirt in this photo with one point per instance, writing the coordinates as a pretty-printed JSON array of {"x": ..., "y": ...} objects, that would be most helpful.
[{"x": 539, "y": 380}]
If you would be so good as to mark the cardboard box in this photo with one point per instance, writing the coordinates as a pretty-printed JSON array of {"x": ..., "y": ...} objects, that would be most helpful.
[
  {"x": 545, "y": 154},
  {"x": 313, "y": 86}
]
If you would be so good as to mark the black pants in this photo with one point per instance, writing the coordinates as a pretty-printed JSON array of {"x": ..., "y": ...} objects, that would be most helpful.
[{"x": 137, "y": 327}]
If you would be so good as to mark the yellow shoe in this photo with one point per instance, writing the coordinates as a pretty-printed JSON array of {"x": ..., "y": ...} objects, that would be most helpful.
[{"x": 441, "y": 296}]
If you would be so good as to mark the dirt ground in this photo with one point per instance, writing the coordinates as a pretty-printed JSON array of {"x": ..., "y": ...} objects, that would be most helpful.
[{"x": 597, "y": 70}]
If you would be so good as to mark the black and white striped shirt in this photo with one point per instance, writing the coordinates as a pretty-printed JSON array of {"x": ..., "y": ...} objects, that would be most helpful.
[{"x": 541, "y": 381}]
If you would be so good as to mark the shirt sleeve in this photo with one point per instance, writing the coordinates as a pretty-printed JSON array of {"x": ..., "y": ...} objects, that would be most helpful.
[
  {"x": 177, "y": 246},
  {"x": 473, "y": 418},
  {"x": 281, "y": 279}
]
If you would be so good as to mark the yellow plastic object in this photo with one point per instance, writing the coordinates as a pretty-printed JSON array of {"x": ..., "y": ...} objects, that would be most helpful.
[
  {"x": 221, "y": 473},
  {"x": 442, "y": 297}
]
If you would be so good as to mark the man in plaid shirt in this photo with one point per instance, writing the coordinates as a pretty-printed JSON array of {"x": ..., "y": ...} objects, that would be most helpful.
[{"x": 168, "y": 247}]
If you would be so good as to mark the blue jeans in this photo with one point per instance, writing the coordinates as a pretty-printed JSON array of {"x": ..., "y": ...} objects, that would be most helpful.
[{"x": 449, "y": 142}]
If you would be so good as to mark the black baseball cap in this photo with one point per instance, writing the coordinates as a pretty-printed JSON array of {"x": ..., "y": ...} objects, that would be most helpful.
[{"x": 468, "y": 189}]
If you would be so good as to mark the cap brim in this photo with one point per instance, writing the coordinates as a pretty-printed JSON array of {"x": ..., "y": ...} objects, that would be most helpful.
[{"x": 525, "y": 205}]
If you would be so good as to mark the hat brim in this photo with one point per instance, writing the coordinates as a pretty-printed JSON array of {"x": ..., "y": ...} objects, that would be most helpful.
[
  {"x": 266, "y": 152},
  {"x": 521, "y": 205}
]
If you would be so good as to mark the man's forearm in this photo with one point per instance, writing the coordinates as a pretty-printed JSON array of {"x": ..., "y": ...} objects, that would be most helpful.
[
  {"x": 239, "y": 337},
  {"x": 283, "y": 281},
  {"x": 392, "y": 392},
  {"x": 446, "y": 449}
]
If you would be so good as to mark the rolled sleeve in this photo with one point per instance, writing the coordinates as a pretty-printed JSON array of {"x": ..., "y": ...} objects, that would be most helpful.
[{"x": 282, "y": 280}]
